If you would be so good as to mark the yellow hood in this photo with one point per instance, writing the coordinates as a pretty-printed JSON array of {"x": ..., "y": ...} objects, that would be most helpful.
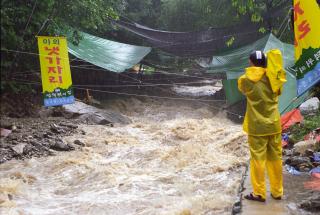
[{"x": 255, "y": 73}]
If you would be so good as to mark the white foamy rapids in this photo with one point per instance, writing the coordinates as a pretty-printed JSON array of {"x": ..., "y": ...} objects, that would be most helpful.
[
  {"x": 162, "y": 163},
  {"x": 196, "y": 91}
]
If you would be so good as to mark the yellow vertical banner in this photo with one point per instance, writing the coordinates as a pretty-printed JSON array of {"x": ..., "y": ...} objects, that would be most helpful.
[
  {"x": 307, "y": 43},
  {"x": 55, "y": 71}
]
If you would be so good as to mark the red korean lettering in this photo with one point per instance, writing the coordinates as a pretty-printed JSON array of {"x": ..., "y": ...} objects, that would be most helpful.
[
  {"x": 60, "y": 79},
  {"x": 297, "y": 11},
  {"x": 52, "y": 79},
  {"x": 50, "y": 60},
  {"x": 58, "y": 60},
  {"x": 51, "y": 69},
  {"x": 304, "y": 28},
  {"x": 59, "y": 69},
  {"x": 54, "y": 50}
]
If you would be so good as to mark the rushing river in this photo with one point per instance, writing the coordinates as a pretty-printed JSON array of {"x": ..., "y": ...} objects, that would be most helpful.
[{"x": 175, "y": 158}]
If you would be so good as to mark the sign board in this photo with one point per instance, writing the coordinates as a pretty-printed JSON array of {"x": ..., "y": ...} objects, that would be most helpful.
[
  {"x": 307, "y": 44},
  {"x": 55, "y": 71}
]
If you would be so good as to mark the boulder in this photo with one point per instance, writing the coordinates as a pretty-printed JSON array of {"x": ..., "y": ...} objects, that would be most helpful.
[
  {"x": 303, "y": 146},
  {"x": 94, "y": 115},
  {"x": 309, "y": 106},
  {"x": 45, "y": 112},
  {"x": 5, "y": 132},
  {"x": 297, "y": 161},
  {"x": 19, "y": 148},
  {"x": 61, "y": 146},
  {"x": 78, "y": 142},
  {"x": 311, "y": 204}
]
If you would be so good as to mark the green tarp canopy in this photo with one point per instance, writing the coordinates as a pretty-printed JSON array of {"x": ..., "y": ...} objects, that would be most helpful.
[
  {"x": 110, "y": 55},
  {"x": 235, "y": 61}
]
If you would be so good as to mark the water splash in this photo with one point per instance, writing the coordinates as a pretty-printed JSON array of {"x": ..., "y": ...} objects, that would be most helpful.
[{"x": 174, "y": 158}]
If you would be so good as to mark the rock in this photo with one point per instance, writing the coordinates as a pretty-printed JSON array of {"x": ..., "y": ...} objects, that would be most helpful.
[
  {"x": 46, "y": 112},
  {"x": 303, "y": 164},
  {"x": 78, "y": 142},
  {"x": 5, "y": 132},
  {"x": 51, "y": 152},
  {"x": 299, "y": 162},
  {"x": 55, "y": 129},
  {"x": 61, "y": 146},
  {"x": 236, "y": 209},
  {"x": 303, "y": 146},
  {"x": 47, "y": 135},
  {"x": 94, "y": 118},
  {"x": 309, "y": 106},
  {"x": 94, "y": 115},
  {"x": 311, "y": 204},
  {"x": 309, "y": 152},
  {"x": 19, "y": 148},
  {"x": 29, "y": 149},
  {"x": 237, "y": 206},
  {"x": 7, "y": 125},
  {"x": 304, "y": 168},
  {"x": 68, "y": 125},
  {"x": 288, "y": 152}
]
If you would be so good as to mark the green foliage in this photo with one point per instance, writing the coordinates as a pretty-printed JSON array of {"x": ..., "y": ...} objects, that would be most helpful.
[
  {"x": 51, "y": 17},
  {"x": 191, "y": 15},
  {"x": 260, "y": 11},
  {"x": 230, "y": 41},
  {"x": 143, "y": 11},
  {"x": 20, "y": 24},
  {"x": 309, "y": 123}
]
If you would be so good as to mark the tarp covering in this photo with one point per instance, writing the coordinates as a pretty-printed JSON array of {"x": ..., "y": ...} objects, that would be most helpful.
[
  {"x": 110, "y": 55},
  {"x": 233, "y": 64},
  {"x": 198, "y": 43}
]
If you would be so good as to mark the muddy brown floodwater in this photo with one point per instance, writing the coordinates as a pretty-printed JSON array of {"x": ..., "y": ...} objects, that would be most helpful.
[{"x": 175, "y": 158}]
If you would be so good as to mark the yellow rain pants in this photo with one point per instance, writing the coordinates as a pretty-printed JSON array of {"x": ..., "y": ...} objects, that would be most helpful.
[
  {"x": 262, "y": 124},
  {"x": 266, "y": 151}
]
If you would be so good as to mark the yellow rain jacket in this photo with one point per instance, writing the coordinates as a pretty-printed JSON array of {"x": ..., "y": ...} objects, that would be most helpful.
[
  {"x": 262, "y": 88},
  {"x": 262, "y": 116}
]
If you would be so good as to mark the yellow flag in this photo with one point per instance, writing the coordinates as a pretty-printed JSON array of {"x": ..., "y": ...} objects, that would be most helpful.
[
  {"x": 306, "y": 25},
  {"x": 55, "y": 71},
  {"x": 307, "y": 43}
]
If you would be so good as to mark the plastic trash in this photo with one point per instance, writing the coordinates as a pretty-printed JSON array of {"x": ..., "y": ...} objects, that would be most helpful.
[
  {"x": 291, "y": 118},
  {"x": 315, "y": 170},
  {"x": 313, "y": 135},
  {"x": 316, "y": 156},
  {"x": 285, "y": 139},
  {"x": 292, "y": 170}
]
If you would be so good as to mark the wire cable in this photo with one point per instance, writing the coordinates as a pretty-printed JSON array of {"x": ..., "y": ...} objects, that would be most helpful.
[
  {"x": 102, "y": 69},
  {"x": 139, "y": 95}
]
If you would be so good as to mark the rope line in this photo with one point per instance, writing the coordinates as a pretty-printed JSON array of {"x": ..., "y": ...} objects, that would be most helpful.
[
  {"x": 159, "y": 97},
  {"x": 130, "y": 94},
  {"x": 128, "y": 85},
  {"x": 102, "y": 69}
]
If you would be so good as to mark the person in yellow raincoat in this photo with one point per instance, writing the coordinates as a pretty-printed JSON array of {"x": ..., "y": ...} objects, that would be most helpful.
[{"x": 262, "y": 124}]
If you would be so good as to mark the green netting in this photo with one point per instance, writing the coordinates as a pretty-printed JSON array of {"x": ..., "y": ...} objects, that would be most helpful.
[
  {"x": 233, "y": 63},
  {"x": 110, "y": 55}
]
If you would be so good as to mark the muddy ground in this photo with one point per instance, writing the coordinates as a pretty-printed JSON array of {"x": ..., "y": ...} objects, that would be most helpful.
[{"x": 35, "y": 137}]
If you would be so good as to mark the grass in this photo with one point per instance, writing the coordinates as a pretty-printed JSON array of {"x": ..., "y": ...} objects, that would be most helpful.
[{"x": 309, "y": 123}]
